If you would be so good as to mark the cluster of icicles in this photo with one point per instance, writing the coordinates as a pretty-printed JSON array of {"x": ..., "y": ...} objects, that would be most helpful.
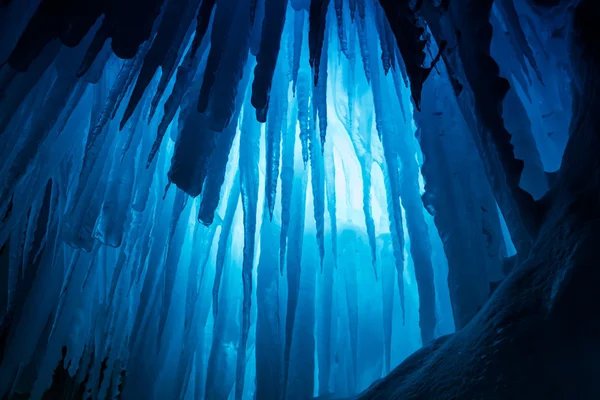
[{"x": 130, "y": 284}]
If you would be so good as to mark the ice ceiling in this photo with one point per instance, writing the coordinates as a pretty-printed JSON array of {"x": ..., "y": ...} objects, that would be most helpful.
[{"x": 219, "y": 214}]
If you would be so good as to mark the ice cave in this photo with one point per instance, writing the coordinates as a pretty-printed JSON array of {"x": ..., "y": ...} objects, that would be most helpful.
[{"x": 303, "y": 199}]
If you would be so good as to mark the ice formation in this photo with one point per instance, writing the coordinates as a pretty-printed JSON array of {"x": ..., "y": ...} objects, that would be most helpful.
[{"x": 262, "y": 199}]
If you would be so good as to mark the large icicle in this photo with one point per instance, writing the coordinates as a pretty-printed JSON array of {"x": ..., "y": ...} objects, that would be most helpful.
[
  {"x": 320, "y": 91},
  {"x": 391, "y": 175},
  {"x": 230, "y": 72},
  {"x": 183, "y": 81},
  {"x": 303, "y": 101},
  {"x": 298, "y": 38},
  {"x": 339, "y": 16},
  {"x": 317, "y": 183},
  {"x": 211, "y": 193},
  {"x": 316, "y": 36},
  {"x": 287, "y": 181},
  {"x": 232, "y": 205},
  {"x": 329, "y": 165},
  {"x": 294, "y": 267},
  {"x": 223, "y": 20},
  {"x": 249, "y": 156},
  {"x": 269, "y": 350},
  {"x": 276, "y": 120},
  {"x": 266, "y": 60}
]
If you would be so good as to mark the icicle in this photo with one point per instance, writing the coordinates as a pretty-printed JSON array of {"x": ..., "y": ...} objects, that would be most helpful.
[
  {"x": 266, "y": 60},
  {"x": 398, "y": 87},
  {"x": 298, "y": 37},
  {"x": 224, "y": 16},
  {"x": 348, "y": 254},
  {"x": 303, "y": 111},
  {"x": 366, "y": 162},
  {"x": 275, "y": 124},
  {"x": 396, "y": 224},
  {"x": 317, "y": 183},
  {"x": 287, "y": 180},
  {"x": 183, "y": 81},
  {"x": 387, "y": 293},
  {"x": 381, "y": 23},
  {"x": 110, "y": 226},
  {"x": 116, "y": 91},
  {"x": 364, "y": 49},
  {"x": 268, "y": 329},
  {"x": 320, "y": 92},
  {"x": 392, "y": 47},
  {"x": 294, "y": 266},
  {"x": 228, "y": 76},
  {"x": 177, "y": 232},
  {"x": 232, "y": 204},
  {"x": 391, "y": 177},
  {"x": 339, "y": 16},
  {"x": 329, "y": 164},
  {"x": 317, "y": 20},
  {"x": 172, "y": 36},
  {"x": 211, "y": 193},
  {"x": 202, "y": 22},
  {"x": 249, "y": 156},
  {"x": 256, "y": 27}
]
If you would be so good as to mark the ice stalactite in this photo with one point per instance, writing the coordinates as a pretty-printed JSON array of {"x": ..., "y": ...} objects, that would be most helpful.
[
  {"x": 177, "y": 228},
  {"x": 194, "y": 150},
  {"x": 386, "y": 56},
  {"x": 299, "y": 17},
  {"x": 228, "y": 75},
  {"x": 386, "y": 260},
  {"x": 184, "y": 79},
  {"x": 179, "y": 37},
  {"x": 203, "y": 18},
  {"x": 232, "y": 205},
  {"x": 363, "y": 46},
  {"x": 350, "y": 240},
  {"x": 320, "y": 91},
  {"x": 269, "y": 349},
  {"x": 162, "y": 53},
  {"x": 266, "y": 60},
  {"x": 304, "y": 105},
  {"x": 361, "y": 142},
  {"x": 223, "y": 19},
  {"x": 420, "y": 248},
  {"x": 221, "y": 370},
  {"x": 329, "y": 164},
  {"x": 294, "y": 268},
  {"x": 287, "y": 180},
  {"x": 110, "y": 226},
  {"x": 317, "y": 180},
  {"x": 249, "y": 154},
  {"x": 325, "y": 302},
  {"x": 217, "y": 167},
  {"x": 392, "y": 178},
  {"x": 317, "y": 19},
  {"x": 341, "y": 30},
  {"x": 276, "y": 125}
]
